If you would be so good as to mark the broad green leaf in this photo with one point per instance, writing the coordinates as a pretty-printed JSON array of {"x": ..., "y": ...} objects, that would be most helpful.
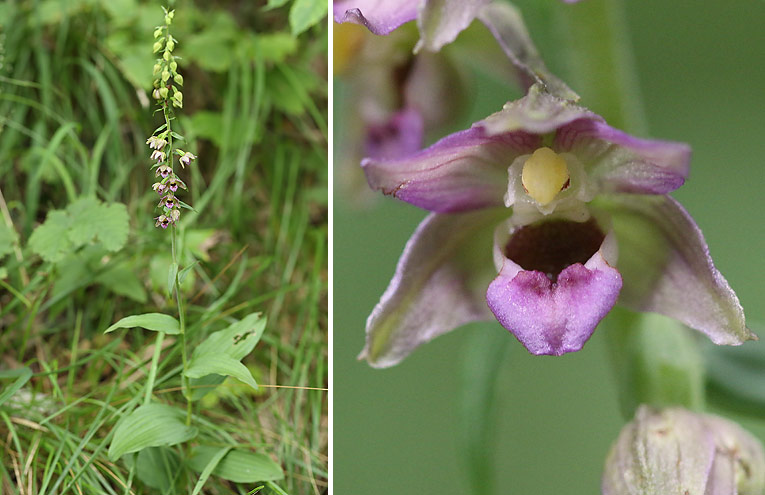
[
  {"x": 7, "y": 238},
  {"x": 306, "y": 13},
  {"x": 23, "y": 375},
  {"x": 114, "y": 226},
  {"x": 237, "y": 340},
  {"x": 50, "y": 240},
  {"x": 239, "y": 466},
  {"x": 122, "y": 279},
  {"x": 273, "y": 47},
  {"x": 220, "y": 364},
  {"x": 272, "y": 4},
  {"x": 152, "y": 425},
  {"x": 203, "y": 386},
  {"x": 84, "y": 221},
  {"x": 150, "y": 321},
  {"x": 158, "y": 467},
  {"x": 93, "y": 220},
  {"x": 207, "y": 471}
]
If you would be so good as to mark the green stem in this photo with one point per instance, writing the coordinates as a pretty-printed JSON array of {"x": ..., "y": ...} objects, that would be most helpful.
[
  {"x": 600, "y": 61},
  {"x": 176, "y": 283},
  {"x": 657, "y": 360}
]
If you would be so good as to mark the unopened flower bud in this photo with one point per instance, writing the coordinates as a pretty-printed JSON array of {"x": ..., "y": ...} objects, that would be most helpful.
[
  {"x": 163, "y": 92},
  {"x": 173, "y": 66},
  {"x": 156, "y": 94},
  {"x": 157, "y": 68},
  {"x": 178, "y": 79},
  {"x": 157, "y": 46},
  {"x": 158, "y": 32},
  {"x": 166, "y": 56},
  {"x": 168, "y": 20},
  {"x": 675, "y": 451},
  {"x": 175, "y": 215},
  {"x": 170, "y": 44}
]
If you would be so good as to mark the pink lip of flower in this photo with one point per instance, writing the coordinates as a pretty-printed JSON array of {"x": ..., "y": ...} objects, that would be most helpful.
[
  {"x": 187, "y": 158},
  {"x": 550, "y": 297},
  {"x": 162, "y": 221},
  {"x": 163, "y": 171}
]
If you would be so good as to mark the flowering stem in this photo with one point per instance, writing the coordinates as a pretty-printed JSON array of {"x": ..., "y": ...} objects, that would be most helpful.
[
  {"x": 600, "y": 61},
  {"x": 656, "y": 367}
]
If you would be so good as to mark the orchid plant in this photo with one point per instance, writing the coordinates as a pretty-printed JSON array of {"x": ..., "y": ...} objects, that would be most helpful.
[{"x": 544, "y": 217}]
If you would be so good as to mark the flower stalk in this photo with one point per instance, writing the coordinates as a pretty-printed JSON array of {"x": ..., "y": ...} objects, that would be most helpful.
[{"x": 168, "y": 96}]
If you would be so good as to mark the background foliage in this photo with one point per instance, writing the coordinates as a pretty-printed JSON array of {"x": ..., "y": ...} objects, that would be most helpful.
[
  {"x": 701, "y": 73},
  {"x": 79, "y": 250}
]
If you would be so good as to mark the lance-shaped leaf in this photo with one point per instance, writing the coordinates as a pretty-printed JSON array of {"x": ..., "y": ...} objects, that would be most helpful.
[
  {"x": 151, "y": 425},
  {"x": 239, "y": 466},
  {"x": 213, "y": 359},
  {"x": 150, "y": 321}
]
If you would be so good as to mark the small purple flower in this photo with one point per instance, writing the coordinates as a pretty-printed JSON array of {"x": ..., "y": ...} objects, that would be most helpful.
[
  {"x": 439, "y": 22},
  {"x": 163, "y": 171},
  {"x": 187, "y": 158},
  {"x": 168, "y": 202},
  {"x": 578, "y": 216},
  {"x": 159, "y": 156},
  {"x": 156, "y": 143},
  {"x": 175, "y": 183},
  {"x": 159, "y": 188},
  {"x": 163, "y": 221}
]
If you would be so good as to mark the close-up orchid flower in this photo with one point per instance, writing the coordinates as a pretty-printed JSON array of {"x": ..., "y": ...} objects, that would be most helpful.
[
  {"x": 555, "y": 218},
  {"x": 579, "y": 217}
]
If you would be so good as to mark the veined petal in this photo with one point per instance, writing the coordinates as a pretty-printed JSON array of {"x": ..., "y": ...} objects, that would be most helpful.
[
  {"x": 667, "y": 268},
  {"x": 438, "y": 285},
  {"x": 379, "y": 16},
  {"x": 440, "y": 21},
  {"x": 538, "y": 112},
  {"x": 400, "y": 136},
  {"x": 464, "y": 171},
  {"x": 553, "y": 318},
  {"x": 623, "y": 163}
]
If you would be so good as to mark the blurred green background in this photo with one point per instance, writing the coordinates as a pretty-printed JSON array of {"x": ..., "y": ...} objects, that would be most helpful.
[{"x": 701, "y": 69}]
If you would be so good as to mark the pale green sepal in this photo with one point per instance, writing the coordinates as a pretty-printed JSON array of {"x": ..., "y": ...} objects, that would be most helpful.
[
  {"x": 656, "y": 360},
  {"x": 150, "y": 321}
]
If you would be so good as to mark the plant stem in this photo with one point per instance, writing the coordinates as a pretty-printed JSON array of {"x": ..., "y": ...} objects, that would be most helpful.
[
  {"x": 176, "y": 283},
  {"x": 601, "y": 64}
]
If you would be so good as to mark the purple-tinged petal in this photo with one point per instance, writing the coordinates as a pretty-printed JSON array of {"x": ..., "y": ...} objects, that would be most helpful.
[
  {"x": 464, "y": 171},
  {"x": 667, "y": 268},
  {"x": 553, "y": 318},
  {"x": 402, "y": 135},
  {"x": 623, "y": 163},
  {"x": 506, "y": 25},
  {"x": 538, "y": 112},
  {"x": 440, "y": 21},
  {"x": 438, "y": 285},
  {"x": 379, "y": 16}
]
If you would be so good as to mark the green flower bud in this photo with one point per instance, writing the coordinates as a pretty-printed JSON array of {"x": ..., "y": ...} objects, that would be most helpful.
[
  {"x": 173, "y": 66},
  {"x": 158, "y": 32},
  {"x": 165, "y": 76},
  {"x": 163, "y": 92},
  {"x": 178, "y": 79},
  {"x": 156, "y": 94},
  {"x": 157, "y": 46},
  {"x": 157, "y": 68},
  {"x": 170, "y": 44},
  {"x": 178, "y": 96},
  {"x": 168, "y": 19},
  {"x": 166, "y": 56},
  {"x": 675, "y": 451}
]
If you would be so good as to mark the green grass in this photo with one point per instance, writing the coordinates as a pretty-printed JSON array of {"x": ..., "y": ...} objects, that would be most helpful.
[{"x": 73, "y": 120}]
